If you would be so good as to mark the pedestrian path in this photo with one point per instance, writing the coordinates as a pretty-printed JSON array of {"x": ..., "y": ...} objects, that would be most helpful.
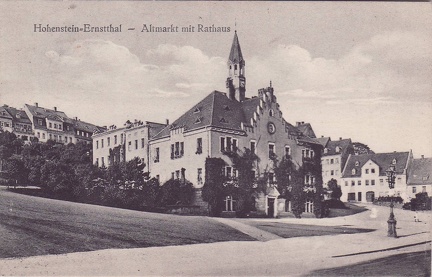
[{"x": 254, "y": 232}]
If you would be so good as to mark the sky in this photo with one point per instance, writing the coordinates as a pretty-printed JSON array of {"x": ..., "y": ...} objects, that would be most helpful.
[{"x": 358, "y": 70}]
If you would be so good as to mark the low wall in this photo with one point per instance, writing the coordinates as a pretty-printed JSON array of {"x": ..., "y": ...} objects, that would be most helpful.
[
  {"x": 186, "y": 210},
  {"x": 387, "y": 204}
]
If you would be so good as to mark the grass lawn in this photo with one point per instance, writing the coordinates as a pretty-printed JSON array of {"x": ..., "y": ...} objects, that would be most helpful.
[
  {"x": 286, "y": 230},
  {"x": 38, "y": 226},
  {"x": 405, "y": 264}
]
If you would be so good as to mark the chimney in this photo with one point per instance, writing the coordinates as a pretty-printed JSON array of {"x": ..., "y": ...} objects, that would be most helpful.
[
  {"x": 76, "y": 118},
  {"x": 167, "y": 121},
  {"x": 322, "y": 136},
  {"x": 36, "y": 104},
  {"x": 340, "y": 138},
  {"x": 422, "y": 156},
  {"x": 55, "y": 108},
  {"x": 298, "y": 123}
]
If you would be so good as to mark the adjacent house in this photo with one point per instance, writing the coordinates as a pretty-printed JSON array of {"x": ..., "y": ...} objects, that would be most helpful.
[
  {"x": 419, "y": 177},
  {"x": 364, "y": 176}
]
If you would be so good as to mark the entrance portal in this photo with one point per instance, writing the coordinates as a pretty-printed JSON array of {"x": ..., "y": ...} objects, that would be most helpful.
[{"x": 270, "y": 207}]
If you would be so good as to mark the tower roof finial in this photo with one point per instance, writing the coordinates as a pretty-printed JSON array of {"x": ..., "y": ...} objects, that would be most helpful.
[
  {"x": 236, "y": 53},
  {"x": 270, "y": 83}
]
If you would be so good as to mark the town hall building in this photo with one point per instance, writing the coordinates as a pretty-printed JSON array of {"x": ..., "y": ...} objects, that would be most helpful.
[{"x": 220, "y": 122}]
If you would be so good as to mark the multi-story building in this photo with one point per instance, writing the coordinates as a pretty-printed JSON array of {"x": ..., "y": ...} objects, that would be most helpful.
[
  {"x": 226, "y": 121},
  {"x": 17, "y": 122},
  {"x": 124, "y": 144},
  {"x": 334, "y": 157},
  {"x": 52, "y": 124},
  {"x": 420, "y": 177},
  {"x": 364, "y": 176},
  {"x": 220, "y": 122}
]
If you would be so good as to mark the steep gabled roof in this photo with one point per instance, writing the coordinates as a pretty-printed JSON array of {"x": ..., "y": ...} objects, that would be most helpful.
[
  {"x": 420, "y": 172},
  {"x": 5, "y": 113},
  {"x": 87, "y": 127},
  {"x": 323, "y": 140},
  {"x": 18, "y": 115},
  {"x": 306, "y": 130},
  {"x": 383, "y": 160},
  {"x": 331, "y": 146},
  {"x": 215, "y": 110},
  {"x": 236, "y": 53},
  {"x": 47, "y": 113}
]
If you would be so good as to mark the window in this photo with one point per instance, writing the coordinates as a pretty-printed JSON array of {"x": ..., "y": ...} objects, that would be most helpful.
[
  {"x": 359, "y": 182},
  {"x": 102, "y": 144},
  {"x": 325, "y": 150},
  {"x": 130, "y": 146},
  {"x": 331, "y": 172},
  {"x": 381, "y": 182},
  {"x": 55, "y": 126},
  {"x": 230, "y": 204},
  {"x": 331, "y": 161},
  {"x": 423, "y": 188},
  {"x": 336, "y": 172},
  {"x": 97, "y": 162},
  {"x": 373, "y": 170},
  {"x": 253, "y": 146},
  {"x": 367, "y": 171},
  {"x": 373, "y": 182},
  {"x": 108, "y": 141},
  {"x": 337, "y": 149},
  {"x": 351, "y": 196},
  {"x": 222, "y": 144},
  {"x": 50, "y": 125},
  {"x": 271, "y": 178},
  {"x": 414, "y": 189},
  {"x": 103, "y": 161},
  {"x": 67, "y": 128},
  {"x": 142, "y": 143},
  {"x": 271, "y": 149},
  {"x": 394, "y": 161},
  {"x": 353, "y": 171},
  {"x": 287, "y": 151},
  {"x": 38, "y": 134},
  {"x": 367, "y": 182},
  {"x": 199, "y": 176},
  {"x": 346, "y": 183},
  {"x": 156, "y": 155},
  {"x": 353, "y": 183},
  {"x": 43, "y": 135},
  {"x": 307, "y": 153},
  {"x": 271, "y": 113},
  {"x": 337, "y": 160},
  {"x": 228, "y": 144},
  {"x": 172, "y": 175},
  {"x": 172, "y": 151},
  {"x": 357, "y": 163},
  {"x": 40, "y": 122},
  {"x": 328, "y": 161},
  {"x": 177, "y": 174},
  {"x": 50, "y": 136},
  {"x": 199, "y": 146},
  {"x": 136, "y": 144}
]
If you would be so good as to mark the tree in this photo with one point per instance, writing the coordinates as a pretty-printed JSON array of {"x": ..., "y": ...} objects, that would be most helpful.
[
  {"x": 245, "y": 188},
  {"x": 58, "y": 178},
  {"x": 176, "y": 192},
  {"x": 15, "y": 170},
  {"x": 336, "y": 191},
  {"x": 361, "y": 148},
  {"x": 212, "y": 191},
  {"x": 283, "y": 170}
]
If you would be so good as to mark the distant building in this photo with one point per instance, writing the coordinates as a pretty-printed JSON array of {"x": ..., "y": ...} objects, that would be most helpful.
[
  {"x": 420, "y": 177},
  {"x": 334, "y": 157},
  {"x": 17, "y": 122},
  {"x": 364, "y": 176},
  {"x": 52, "y": 124}
]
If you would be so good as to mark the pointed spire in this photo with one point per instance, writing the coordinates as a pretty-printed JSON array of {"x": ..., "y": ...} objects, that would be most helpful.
[{"x": 236, "y": 54}]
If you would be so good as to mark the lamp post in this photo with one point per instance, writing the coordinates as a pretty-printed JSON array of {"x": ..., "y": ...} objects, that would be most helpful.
[{"x": 391, "y": 176}]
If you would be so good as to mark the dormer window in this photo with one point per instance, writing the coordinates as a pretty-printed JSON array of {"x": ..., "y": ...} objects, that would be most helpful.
[
  {"x": 198, "y": 120},
  {"x": 337, "y": 149},
  {"x": 394, "y": 161},
  {"x": 223, "y": 120},
  {"x": 197, "y": 110},
  {"x": 226, "y": 108},
  {"x": 325, "y": 150},
  {"x": 353, "y": 171},
  {"x": 357, "y": 163}
]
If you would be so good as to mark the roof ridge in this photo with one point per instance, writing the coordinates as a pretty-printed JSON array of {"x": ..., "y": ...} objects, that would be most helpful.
[{"x": 212, "y": 110}]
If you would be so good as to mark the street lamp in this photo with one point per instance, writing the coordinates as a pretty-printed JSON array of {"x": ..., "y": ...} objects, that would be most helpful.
[{"x": 391, "y": 176}]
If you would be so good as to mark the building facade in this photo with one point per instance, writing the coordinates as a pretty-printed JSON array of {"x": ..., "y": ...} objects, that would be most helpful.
[
  {"x": 17, "y": 122},
  {"x": 334, "y": 157},
  {"x": 52, "y": 124},
  {"x": 419, "y": 177},
  {"x": 364, "y": 176}
]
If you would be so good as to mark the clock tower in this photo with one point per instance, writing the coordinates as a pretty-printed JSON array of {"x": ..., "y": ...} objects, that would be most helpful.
[{"x": 236, "y": 81}]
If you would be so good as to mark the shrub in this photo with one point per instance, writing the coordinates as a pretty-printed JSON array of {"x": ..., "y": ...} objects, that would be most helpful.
[{"x": 335, "y": 204}]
